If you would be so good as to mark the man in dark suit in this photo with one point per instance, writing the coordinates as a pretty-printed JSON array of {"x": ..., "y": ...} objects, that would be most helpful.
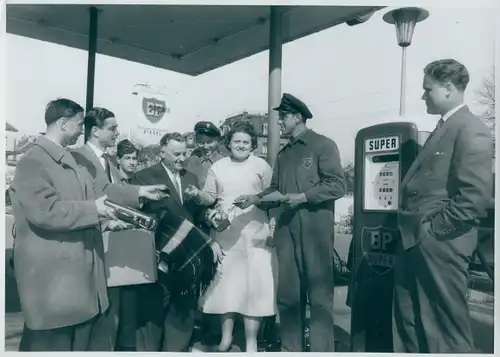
[
  {"x": 58, "y": 251},
  {"x": 443, "y": 195},
  {"x": 101, "y": 132},
  {"x": 162, "y": 325}
]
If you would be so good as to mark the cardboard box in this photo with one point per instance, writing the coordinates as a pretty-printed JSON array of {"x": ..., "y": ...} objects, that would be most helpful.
[{"x": 130, "y": 257}]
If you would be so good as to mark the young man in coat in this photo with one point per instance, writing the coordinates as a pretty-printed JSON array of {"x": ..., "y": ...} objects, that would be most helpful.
[
  {"x": 443, "y": 195},
  {"x": 101, "y": 132},
  {"x": 309, "y": 175},
  {"x": 58, "y": 250}
]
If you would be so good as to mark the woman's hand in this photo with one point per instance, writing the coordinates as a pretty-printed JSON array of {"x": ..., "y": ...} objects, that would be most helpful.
[
  {"x": 218, "y": 252},
  {"x": 246, "y": 201}
]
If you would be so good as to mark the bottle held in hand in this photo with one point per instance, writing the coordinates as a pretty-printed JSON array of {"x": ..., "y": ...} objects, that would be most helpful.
[{"x": 134, "y": 217}]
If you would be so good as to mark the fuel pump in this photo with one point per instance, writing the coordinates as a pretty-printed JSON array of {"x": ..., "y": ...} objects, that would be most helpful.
[{"x": 383, "y": 155}]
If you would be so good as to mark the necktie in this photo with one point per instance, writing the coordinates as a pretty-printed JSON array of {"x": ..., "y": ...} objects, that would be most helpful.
[
  {"x": 439, "y": 124},
  {"x": 107, "y": 167},
  {"x": 177, "y": 186}
]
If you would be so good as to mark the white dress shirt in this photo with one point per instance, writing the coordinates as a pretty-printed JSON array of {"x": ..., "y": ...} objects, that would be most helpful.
[
  {"x": 453, "y": 111},
  {"x": 99, "y": 153},
  {"x": 176, "y": 180}
]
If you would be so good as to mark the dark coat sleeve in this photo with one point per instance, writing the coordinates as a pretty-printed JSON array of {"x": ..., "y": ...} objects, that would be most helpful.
[
  {"x": 146, "y": 177},
  {"x": 331, "y": 185}
]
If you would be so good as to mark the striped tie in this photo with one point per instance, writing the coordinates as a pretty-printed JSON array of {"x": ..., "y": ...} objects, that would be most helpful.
[{"x": 107, "y": 167}]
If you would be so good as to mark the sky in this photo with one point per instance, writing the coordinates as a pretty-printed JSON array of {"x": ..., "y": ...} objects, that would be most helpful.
[{"x": 348, "y": 76}]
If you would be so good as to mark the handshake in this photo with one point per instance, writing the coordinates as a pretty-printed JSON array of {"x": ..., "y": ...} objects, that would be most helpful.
[
  {"x": 214, "y": 217},
  {"x": 289, "y": 201},
  {"x": 116, "y": 221}
]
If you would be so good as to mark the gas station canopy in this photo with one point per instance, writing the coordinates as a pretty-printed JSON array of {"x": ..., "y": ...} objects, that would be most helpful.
[{"x": 186, "y": 39}]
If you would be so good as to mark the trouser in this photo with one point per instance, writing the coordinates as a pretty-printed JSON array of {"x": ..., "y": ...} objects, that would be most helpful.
[
  {"x": 70, "y": 338},
  {"x": 211, "y": 329},
  {"x": 304, "y": 247},
  {"x": 105, "y": 331},
  {"x": 126, "y": 338},
  {"x": 162, "y": 323},
  {"x": 431, "y": 313}
]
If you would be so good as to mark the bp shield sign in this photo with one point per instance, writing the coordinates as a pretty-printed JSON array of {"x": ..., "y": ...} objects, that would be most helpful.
[
  {"x": 154, "y": 109},
  {"x": 379, "y": 248}
]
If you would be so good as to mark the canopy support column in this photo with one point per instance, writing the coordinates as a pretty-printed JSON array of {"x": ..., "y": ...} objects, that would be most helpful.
[
  {"x": 91, "y": 58},
  {"x": 274, "y": 94}
]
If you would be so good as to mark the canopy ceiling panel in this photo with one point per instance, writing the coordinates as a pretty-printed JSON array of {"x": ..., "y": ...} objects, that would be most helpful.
[{"x": 187, "y": 39}]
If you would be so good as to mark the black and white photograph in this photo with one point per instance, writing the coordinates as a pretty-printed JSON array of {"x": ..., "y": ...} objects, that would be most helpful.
[{"x": 254, "y": 176}]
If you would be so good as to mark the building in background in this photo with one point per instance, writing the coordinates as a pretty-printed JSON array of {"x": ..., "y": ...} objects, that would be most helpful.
[
  {"x": 16, "y": 144},
  {"x": 11, "y": 141},
  {"x": 259, "y": 122},
  {"x": 190, "y": 142}
]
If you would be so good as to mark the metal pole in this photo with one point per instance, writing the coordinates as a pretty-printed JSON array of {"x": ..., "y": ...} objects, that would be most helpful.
[
  {"x": 91, "y": 58},
  {"x": 402, "y": 99},
  {"x": 274, "y": 94}
]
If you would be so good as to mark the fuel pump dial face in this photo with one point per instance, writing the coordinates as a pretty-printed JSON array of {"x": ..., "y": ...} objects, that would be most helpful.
[
  {"x": 385, "y": 185},
  {"x": 381, "y": 173}
]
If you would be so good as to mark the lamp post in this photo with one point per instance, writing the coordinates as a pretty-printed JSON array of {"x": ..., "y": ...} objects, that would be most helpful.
[{"x": 405, "y": 20}]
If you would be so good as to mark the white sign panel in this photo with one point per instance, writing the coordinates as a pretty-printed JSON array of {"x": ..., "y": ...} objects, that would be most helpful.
[
  {"x": 381, "y": 184},
  {"x": 151, "y": 109},
  {"x": 389, "y": 143}
]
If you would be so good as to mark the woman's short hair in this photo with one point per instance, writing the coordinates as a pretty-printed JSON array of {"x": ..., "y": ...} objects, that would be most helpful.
[
  {"x": 448, "y": 70},
  {"x": 243, "y": 127}
]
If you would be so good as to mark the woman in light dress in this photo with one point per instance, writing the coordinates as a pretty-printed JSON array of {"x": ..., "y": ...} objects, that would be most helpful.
[{"x": 247, "y": 282}]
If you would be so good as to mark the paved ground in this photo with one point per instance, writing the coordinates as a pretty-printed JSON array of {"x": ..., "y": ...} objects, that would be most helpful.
[
  {"x": 14, "y": 319},
  {"x": 481, "y": 312}
]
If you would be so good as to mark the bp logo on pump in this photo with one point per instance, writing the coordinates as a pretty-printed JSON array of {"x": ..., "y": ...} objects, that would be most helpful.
[{"x": 379, "y": 247}]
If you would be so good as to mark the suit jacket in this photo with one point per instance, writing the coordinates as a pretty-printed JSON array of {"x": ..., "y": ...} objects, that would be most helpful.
[
  {"x": 156, "y": 175},
  {"x": 127, "y": 195},
  {"x": 58, "y": 250},
  {"x": 448, "y": 187}
]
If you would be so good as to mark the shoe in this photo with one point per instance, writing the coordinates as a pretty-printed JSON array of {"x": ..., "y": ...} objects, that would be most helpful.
[{"x": 226, "y": 350}]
